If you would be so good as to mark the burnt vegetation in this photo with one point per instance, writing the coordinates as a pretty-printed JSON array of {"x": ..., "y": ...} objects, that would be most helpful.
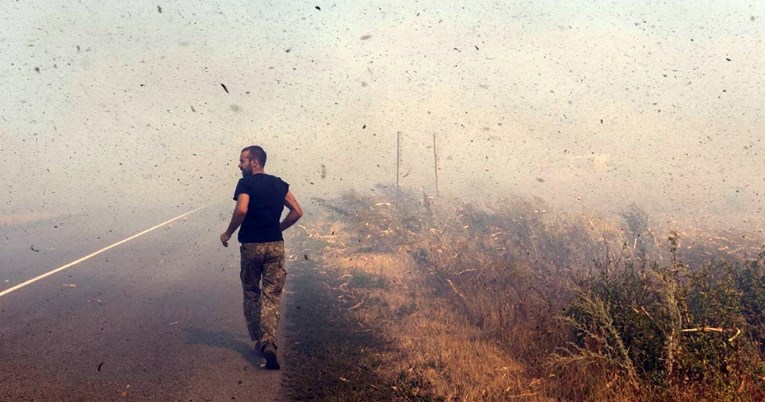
[{"x": 516, "y": 300}]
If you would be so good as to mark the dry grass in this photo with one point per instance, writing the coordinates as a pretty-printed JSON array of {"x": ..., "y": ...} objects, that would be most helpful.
[
  {"x": 438, "y": 354},
  {"x": 518, "y": 302}
]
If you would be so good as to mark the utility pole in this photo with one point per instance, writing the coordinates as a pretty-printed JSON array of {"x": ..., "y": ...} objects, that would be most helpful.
[
  {"x": 435, "y": 159},
  {"x": 398, "y": 160}
]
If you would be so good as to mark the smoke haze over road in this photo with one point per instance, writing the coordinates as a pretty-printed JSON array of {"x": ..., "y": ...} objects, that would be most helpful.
[
  {"x": 589, "y": 104},
  {"x": 116, "y": 116}
]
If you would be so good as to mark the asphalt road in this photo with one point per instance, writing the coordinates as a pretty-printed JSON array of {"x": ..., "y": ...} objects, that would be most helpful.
[{"x": 155, "y": 319}]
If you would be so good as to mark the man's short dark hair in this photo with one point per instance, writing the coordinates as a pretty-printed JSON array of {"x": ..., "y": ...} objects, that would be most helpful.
[{"x": 257, "y": 153}]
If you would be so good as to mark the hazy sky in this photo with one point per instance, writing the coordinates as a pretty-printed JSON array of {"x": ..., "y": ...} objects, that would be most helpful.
[{"x": 594, "y": 104}]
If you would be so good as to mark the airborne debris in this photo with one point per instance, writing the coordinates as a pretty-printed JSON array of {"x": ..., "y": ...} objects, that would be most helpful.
[
  {"x": 224, "y": 87},
  {"x": 159, "y": 8},
  {"x": 317, "y": 7},
  {"x": 99, "y": 366},
  {"x": 32, "y": 247}
]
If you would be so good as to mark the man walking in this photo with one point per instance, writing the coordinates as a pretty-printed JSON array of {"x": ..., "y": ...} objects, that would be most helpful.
[{"x": 260, "y": 200}]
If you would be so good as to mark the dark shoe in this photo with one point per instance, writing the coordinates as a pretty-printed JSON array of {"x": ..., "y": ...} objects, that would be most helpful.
[{"x": 269, "y": 353}]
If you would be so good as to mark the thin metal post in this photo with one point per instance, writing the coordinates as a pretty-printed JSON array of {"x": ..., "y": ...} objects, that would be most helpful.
[
  {"x": 398, "y": 160},
  {"x": 435, "y": 160}
]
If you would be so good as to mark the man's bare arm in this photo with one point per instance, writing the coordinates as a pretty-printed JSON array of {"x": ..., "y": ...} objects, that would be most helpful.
[
  {"x": 240, "y": 211},
  {"x": 295, "y": 211}
]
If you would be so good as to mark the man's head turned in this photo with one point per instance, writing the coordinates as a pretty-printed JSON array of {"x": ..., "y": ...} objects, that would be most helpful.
[
  {"x": 252, "y": 160},
  {"x": 256, "y": 152}
]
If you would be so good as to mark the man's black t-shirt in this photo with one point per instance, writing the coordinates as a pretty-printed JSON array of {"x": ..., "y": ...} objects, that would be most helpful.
[{"x": 265, "y": 208}]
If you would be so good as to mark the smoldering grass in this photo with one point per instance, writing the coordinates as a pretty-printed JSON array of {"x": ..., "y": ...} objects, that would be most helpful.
[{"x": 563, "y": 305}]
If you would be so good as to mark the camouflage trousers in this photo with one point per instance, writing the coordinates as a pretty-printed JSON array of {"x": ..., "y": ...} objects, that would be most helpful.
[{"x": 262, "y": 262}]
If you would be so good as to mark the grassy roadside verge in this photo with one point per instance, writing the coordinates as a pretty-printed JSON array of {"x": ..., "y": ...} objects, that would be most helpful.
[
  {"x": 371, "y": 326},
  {"x": 330, "y": 355},
  {"x": 451, "y": 301}
]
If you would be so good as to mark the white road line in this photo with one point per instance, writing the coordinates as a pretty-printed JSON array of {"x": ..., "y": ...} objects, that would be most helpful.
[{"x": 33, "y": 280}]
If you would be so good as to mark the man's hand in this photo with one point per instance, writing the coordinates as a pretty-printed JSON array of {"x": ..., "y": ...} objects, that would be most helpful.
[
  {"x": 240, "y": 212},
  {"x": 295, "y": 211},
  {"x": 224, "y": 238}
]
